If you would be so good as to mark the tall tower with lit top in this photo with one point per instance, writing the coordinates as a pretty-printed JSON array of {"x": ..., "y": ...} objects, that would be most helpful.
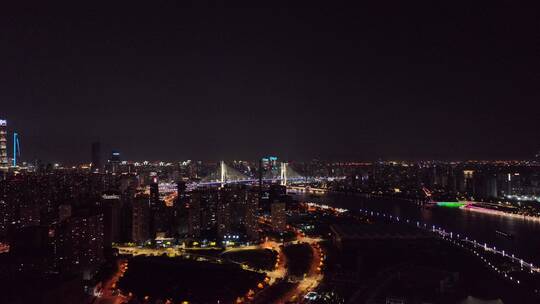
[{"x": 3, "y": 145}]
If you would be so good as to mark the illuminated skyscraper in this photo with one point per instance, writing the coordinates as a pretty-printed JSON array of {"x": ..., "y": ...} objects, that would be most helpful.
[
  {"x": 270, "y": 166},
  {"x": 16, "y": 148},
  {"x": 114, "y": 162},
  {"x": 468, "y": 176},
  {"x": 3, "y": 144},
  {"x": 154, "y": 192}
]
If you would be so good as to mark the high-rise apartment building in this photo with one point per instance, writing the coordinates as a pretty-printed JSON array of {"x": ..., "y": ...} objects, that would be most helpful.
[
  {"x": 279, "y": 217},
  {"x": 111, "y": 209},
  {"x": 224, "y": 212},
  {"x": 209, "y": 202},
  {"x": 79, "y": 244},
  {"x": 140, "y": 220},
  {"x": 252, "y": 214},
  {"x": 194, "y": 214}
]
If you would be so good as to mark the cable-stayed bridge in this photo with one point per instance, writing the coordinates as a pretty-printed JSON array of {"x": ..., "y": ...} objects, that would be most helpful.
[{"x": 226, "y": 174}]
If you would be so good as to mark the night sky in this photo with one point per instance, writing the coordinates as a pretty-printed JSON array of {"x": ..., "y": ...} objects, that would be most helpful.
[{"x": 160, "y": 81}]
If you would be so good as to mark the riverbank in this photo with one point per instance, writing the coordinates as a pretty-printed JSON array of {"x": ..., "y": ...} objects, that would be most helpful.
[
  {"x": 480, "y": 224},
  {"x": 474, "y": 208},
  {"x": 375, "y": 257}
]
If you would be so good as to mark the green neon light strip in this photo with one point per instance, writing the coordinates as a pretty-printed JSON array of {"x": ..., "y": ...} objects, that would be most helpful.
[{"x": 450, "y": 204}]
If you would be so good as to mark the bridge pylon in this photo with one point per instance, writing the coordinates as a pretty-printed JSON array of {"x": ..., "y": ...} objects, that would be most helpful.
[
  {"x": 223, "y": 171},
  {"x": 283, "y": 176}
]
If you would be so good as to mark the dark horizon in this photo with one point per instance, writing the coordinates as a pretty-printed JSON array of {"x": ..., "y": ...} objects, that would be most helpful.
[{"x": 204, "y": 81}]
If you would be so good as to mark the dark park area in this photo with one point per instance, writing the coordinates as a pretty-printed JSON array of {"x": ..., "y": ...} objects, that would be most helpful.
[{"x": 165, "y": 278}]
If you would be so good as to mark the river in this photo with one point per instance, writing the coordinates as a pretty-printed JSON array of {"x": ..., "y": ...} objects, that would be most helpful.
[{"x": 479, "y": 226}]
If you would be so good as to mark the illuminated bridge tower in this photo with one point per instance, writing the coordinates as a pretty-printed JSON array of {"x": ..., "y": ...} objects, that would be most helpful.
[
  {"x": 3, "y": 145},
  {"x": 223, "y": 171},
  {"x": 284, "y": 174}
]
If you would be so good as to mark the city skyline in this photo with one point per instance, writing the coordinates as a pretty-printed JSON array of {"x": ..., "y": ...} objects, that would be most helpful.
[
  {"x": 99, "y": 155},
  {"x": 269, "y": 152},
  {"x": 289, "y": 222},
  {"x": 421, "y": 80}
]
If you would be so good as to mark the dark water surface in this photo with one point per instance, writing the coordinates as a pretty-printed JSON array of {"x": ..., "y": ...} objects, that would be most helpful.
[{"x": 481, "y": 227}]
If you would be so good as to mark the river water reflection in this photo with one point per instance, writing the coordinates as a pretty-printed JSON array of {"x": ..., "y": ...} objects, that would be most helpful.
[{"x": 479, "y": 226}]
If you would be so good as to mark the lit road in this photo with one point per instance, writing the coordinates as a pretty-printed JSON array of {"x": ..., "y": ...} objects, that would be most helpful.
[
  {"x": 279, "y": 271},
  {"x": 179, "y": 252},
  {"x": 308, "y": 283},
  {"x": 235, "y": 249},
  {"x": 170, "y": 252},
  {"x": 108, "y": 293},
  {"x": 313, "y": 277}
]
